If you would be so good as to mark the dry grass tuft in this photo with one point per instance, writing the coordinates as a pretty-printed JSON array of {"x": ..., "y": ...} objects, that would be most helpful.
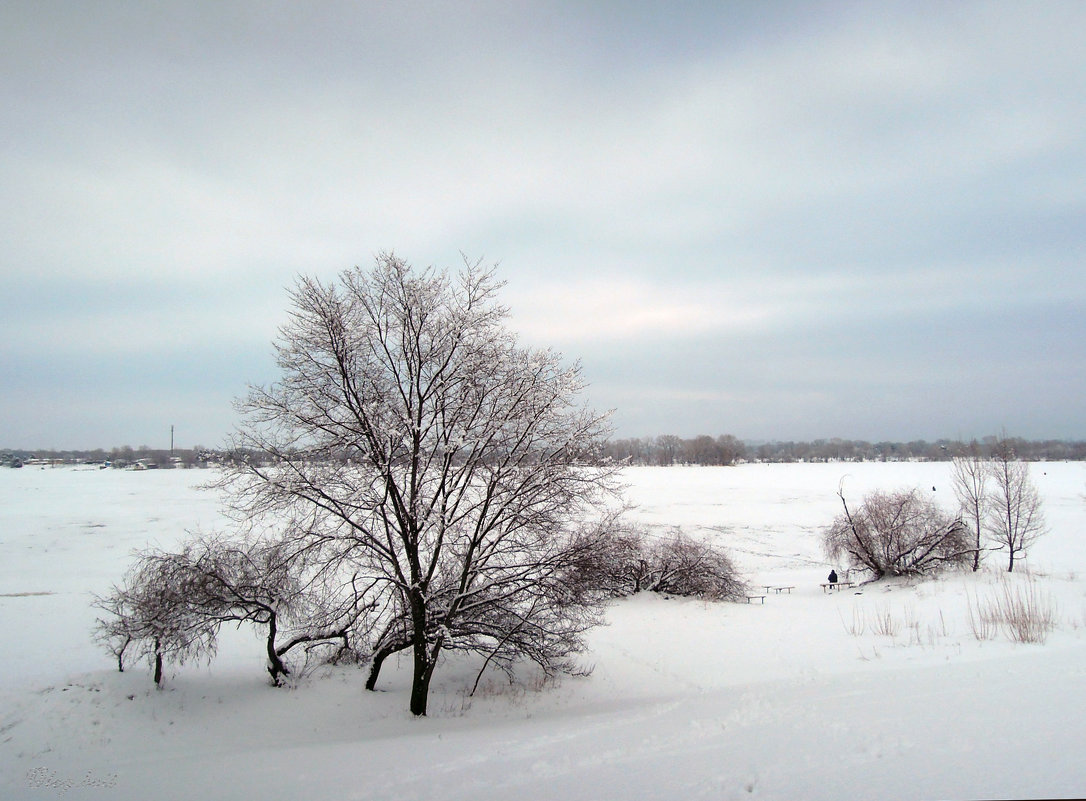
[{"x": 1022, "y": 611}]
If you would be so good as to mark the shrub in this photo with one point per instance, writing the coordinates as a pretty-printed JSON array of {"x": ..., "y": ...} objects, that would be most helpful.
[
  {"x": 897, "y": 534},
  {"x": 676, "y": 564}
]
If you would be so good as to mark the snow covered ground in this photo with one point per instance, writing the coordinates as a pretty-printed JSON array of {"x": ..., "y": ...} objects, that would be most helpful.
[{"x": 806, "y": 696}]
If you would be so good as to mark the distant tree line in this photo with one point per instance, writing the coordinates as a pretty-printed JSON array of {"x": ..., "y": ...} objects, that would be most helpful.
[
  {"x": 727, "y": 449},
  {"x": 122, "y": 457},
  {"x": 669, "y": 450},
  {"x": 662, "y": 450}
]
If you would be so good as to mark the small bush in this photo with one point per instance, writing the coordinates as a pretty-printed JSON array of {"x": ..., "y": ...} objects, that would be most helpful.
[
  {"x": 982, "y": 622},
  {"x": 675, "y": 564},
  {"x": 685, "y": 566},
  {"x": 858, "y": 625}
]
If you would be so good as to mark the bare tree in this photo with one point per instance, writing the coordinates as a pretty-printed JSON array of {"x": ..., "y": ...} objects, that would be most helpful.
[
  {"x": 668, "y": 447},
  {"x": 970, "y": 480},
  {"x": 731, "y": 448},
  {"x": 295, "y": 602},
  {"x": 150, "y": 616},
  {"x": 172, "y": 604},
  {"x": 413, "y": 443},
  {"x": 896, "y": 534},
  {"x": 1015, "y": 519}
]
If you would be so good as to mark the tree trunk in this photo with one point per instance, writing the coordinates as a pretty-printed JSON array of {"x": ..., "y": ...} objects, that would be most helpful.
[
  {"x": 158, "y": 664},
  {"x": 375, "y": 670},
  {"x": 424, "y": 654},
  {"x": 120, "y": 654},
  {"x": 420, "y": 679},
  {"x": 377, "y": 660},
  {"x": 276, "y": 668}
]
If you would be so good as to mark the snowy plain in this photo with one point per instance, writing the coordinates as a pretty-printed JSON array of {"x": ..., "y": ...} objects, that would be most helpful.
[{"x": 799, "y": 697}]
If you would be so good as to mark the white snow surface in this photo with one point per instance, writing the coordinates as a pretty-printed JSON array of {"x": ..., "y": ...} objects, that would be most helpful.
[{"x": 799, "y": 697}]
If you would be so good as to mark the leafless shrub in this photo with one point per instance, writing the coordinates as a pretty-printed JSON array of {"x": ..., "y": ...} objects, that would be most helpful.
[
  {"x": 172, "y": 605},
  {"x": 676, "y": 564},
  {"x": 897, "y": 534},
  {"x": 884, "y": 623},
  {"x": 686, "y": 566},
  {"x": 982, "y": 622},
  {"x": 858, "y": 624}
]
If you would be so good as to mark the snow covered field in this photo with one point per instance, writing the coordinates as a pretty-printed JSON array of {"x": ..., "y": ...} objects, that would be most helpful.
[{"x": 881, "y": 693}]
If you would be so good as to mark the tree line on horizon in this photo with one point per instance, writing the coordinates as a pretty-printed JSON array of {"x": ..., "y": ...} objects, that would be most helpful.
[
  {"x": 726, "y": 449},
  {"x": 121, "y": 457},
  {"x": 661, "y": 450}
]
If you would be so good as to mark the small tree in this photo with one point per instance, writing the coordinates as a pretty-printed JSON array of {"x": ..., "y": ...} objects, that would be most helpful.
[
  {"x": 150, "y": 616},
  {"x": 970, "y": 480},
  {"x": 276, "y": 590},
  {"x": 896, "y": 534},
  {"x": 172, "y": 605},
  {"x": 1015, "y": 519}
]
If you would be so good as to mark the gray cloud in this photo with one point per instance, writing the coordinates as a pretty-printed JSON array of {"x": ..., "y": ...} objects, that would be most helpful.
[{"x": 793, "y": 221}]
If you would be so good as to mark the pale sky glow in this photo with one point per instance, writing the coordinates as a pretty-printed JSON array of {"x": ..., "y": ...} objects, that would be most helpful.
[{"x": 776, "y": 220}]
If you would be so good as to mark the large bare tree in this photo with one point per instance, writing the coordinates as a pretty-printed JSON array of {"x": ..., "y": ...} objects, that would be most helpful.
[{"x": 412, "y": 442}]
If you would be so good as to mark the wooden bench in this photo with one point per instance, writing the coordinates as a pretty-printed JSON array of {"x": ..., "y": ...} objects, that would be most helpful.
[
  {"x": 836, "y": 585},
  {"x": 777, "y": 590},
  {"x": 750, "y": 598}
]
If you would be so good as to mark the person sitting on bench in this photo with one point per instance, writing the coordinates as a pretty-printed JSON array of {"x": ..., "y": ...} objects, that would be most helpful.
[{"x": 833, "y": 577}]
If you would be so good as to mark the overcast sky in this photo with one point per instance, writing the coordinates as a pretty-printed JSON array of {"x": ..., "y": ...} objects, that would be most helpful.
[{"x": 775, "y": 220}]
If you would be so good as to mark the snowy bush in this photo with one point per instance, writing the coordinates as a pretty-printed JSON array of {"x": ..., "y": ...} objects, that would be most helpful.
[
  {"x": 682, "y": 565},
  {"x": 676, "y": 564},
  {"x": 897, "y": 534}
]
